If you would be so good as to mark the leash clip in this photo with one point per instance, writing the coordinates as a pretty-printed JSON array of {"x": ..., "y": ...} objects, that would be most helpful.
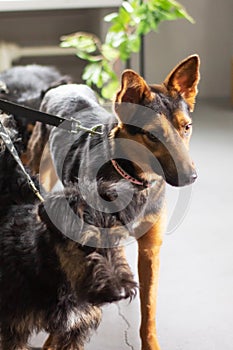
[{"x": 76, "y": 126}]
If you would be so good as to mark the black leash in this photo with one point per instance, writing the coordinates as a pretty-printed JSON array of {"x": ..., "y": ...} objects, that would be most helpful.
[{"x": 34, "y": 115}]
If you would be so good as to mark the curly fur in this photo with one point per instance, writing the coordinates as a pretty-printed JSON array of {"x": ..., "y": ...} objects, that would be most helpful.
[{"x": 46, "y": 277}]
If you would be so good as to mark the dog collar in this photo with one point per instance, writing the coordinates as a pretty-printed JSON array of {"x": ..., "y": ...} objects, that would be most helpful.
[{"x": 130, "y": 178}]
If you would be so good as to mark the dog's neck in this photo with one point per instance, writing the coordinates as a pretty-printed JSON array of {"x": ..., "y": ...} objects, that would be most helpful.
[
  {"x": 124, "y": 174},
  {"x": 124, "y": 167}
]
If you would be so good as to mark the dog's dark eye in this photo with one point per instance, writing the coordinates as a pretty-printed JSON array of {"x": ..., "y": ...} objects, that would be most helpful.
[{"x": 187, "y": 128}]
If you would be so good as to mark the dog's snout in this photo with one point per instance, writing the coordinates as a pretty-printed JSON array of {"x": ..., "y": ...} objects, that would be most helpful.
[
  {"x": 180, "y": 177},
  {"x": 187, "y": 178},
  {"x": 128, "y": 291},
  {"x": 117, "y": 295},
  {"x": 194, "y": 176}
]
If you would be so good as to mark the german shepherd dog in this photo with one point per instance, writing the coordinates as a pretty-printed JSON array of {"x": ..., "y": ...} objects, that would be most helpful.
[{"x": 146, "y": 142}]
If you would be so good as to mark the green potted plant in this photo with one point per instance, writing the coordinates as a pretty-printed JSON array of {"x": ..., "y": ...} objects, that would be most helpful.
[{"x": 134, "y": 19}]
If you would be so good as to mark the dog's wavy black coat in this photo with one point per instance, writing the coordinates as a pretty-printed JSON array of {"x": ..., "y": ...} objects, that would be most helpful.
[{"x": 49, "y": 281}]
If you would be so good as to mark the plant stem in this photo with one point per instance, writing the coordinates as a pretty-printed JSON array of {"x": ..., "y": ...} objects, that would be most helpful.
[
  {"x": 128, "y": 63},
  {"x": 141, "y": 56}
]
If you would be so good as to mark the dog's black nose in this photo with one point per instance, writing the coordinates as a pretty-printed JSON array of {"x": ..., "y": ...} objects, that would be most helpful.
[
  {"x": 181, "y": 179},
  {"x": 187, "y": 179},
  {"x": 193, "y": 177}
]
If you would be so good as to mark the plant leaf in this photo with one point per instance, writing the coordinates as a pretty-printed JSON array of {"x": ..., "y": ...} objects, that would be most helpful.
[
  {"x": 109, "y": 90},
  {"x": 127, "y": 6},
  {"x": 134, "y": 43},
  {"x": 87, "y": 57},
  {"x": 109, "y": 52},
  {"x": 110, "y": 17}
]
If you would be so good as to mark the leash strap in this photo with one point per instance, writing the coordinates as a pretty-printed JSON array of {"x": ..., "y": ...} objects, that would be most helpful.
[
  {"x": 71, "y": 125},
  {"x": 10, "y": 146}
]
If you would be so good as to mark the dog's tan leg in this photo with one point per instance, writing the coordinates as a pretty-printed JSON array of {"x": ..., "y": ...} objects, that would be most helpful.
[{"x": 148, "y": 269}]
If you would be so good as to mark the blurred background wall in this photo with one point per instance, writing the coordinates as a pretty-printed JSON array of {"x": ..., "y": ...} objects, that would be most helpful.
[{"x": 211, "y": 37}]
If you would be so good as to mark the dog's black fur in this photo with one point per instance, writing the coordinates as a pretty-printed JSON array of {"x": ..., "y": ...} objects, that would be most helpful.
[
  {"x": 14, "y": 187},
  {"x": 81, "y": 154},
  {"x": 49, "y": 281},
  {"x": 26, "y": 85}
]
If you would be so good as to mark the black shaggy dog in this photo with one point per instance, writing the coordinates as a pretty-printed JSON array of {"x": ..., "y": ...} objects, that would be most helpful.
[
  {"x": 60, "y": 260},
  {"x": 53, "y": 283}
]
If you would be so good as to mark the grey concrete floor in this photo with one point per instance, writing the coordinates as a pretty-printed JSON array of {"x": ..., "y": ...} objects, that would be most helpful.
[{"x": 195, "y": 301}]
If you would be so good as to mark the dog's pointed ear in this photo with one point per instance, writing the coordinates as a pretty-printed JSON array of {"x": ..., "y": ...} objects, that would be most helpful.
[
  {"x": 184, "y": 79},
  {"x": 133, "y": 91},
  {"x": 133, "y": 88}
]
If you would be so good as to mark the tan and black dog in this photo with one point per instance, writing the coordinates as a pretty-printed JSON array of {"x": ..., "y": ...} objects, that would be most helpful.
[{"x": 146, "y": 143}]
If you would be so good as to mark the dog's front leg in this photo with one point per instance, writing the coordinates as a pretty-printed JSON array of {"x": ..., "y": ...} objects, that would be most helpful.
[{"x": 148, "y": 269}]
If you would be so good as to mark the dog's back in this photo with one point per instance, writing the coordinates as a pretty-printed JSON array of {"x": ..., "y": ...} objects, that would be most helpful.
[
  {"x": 24, "y": 84},
  {"x": 78, "y": 102}
]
